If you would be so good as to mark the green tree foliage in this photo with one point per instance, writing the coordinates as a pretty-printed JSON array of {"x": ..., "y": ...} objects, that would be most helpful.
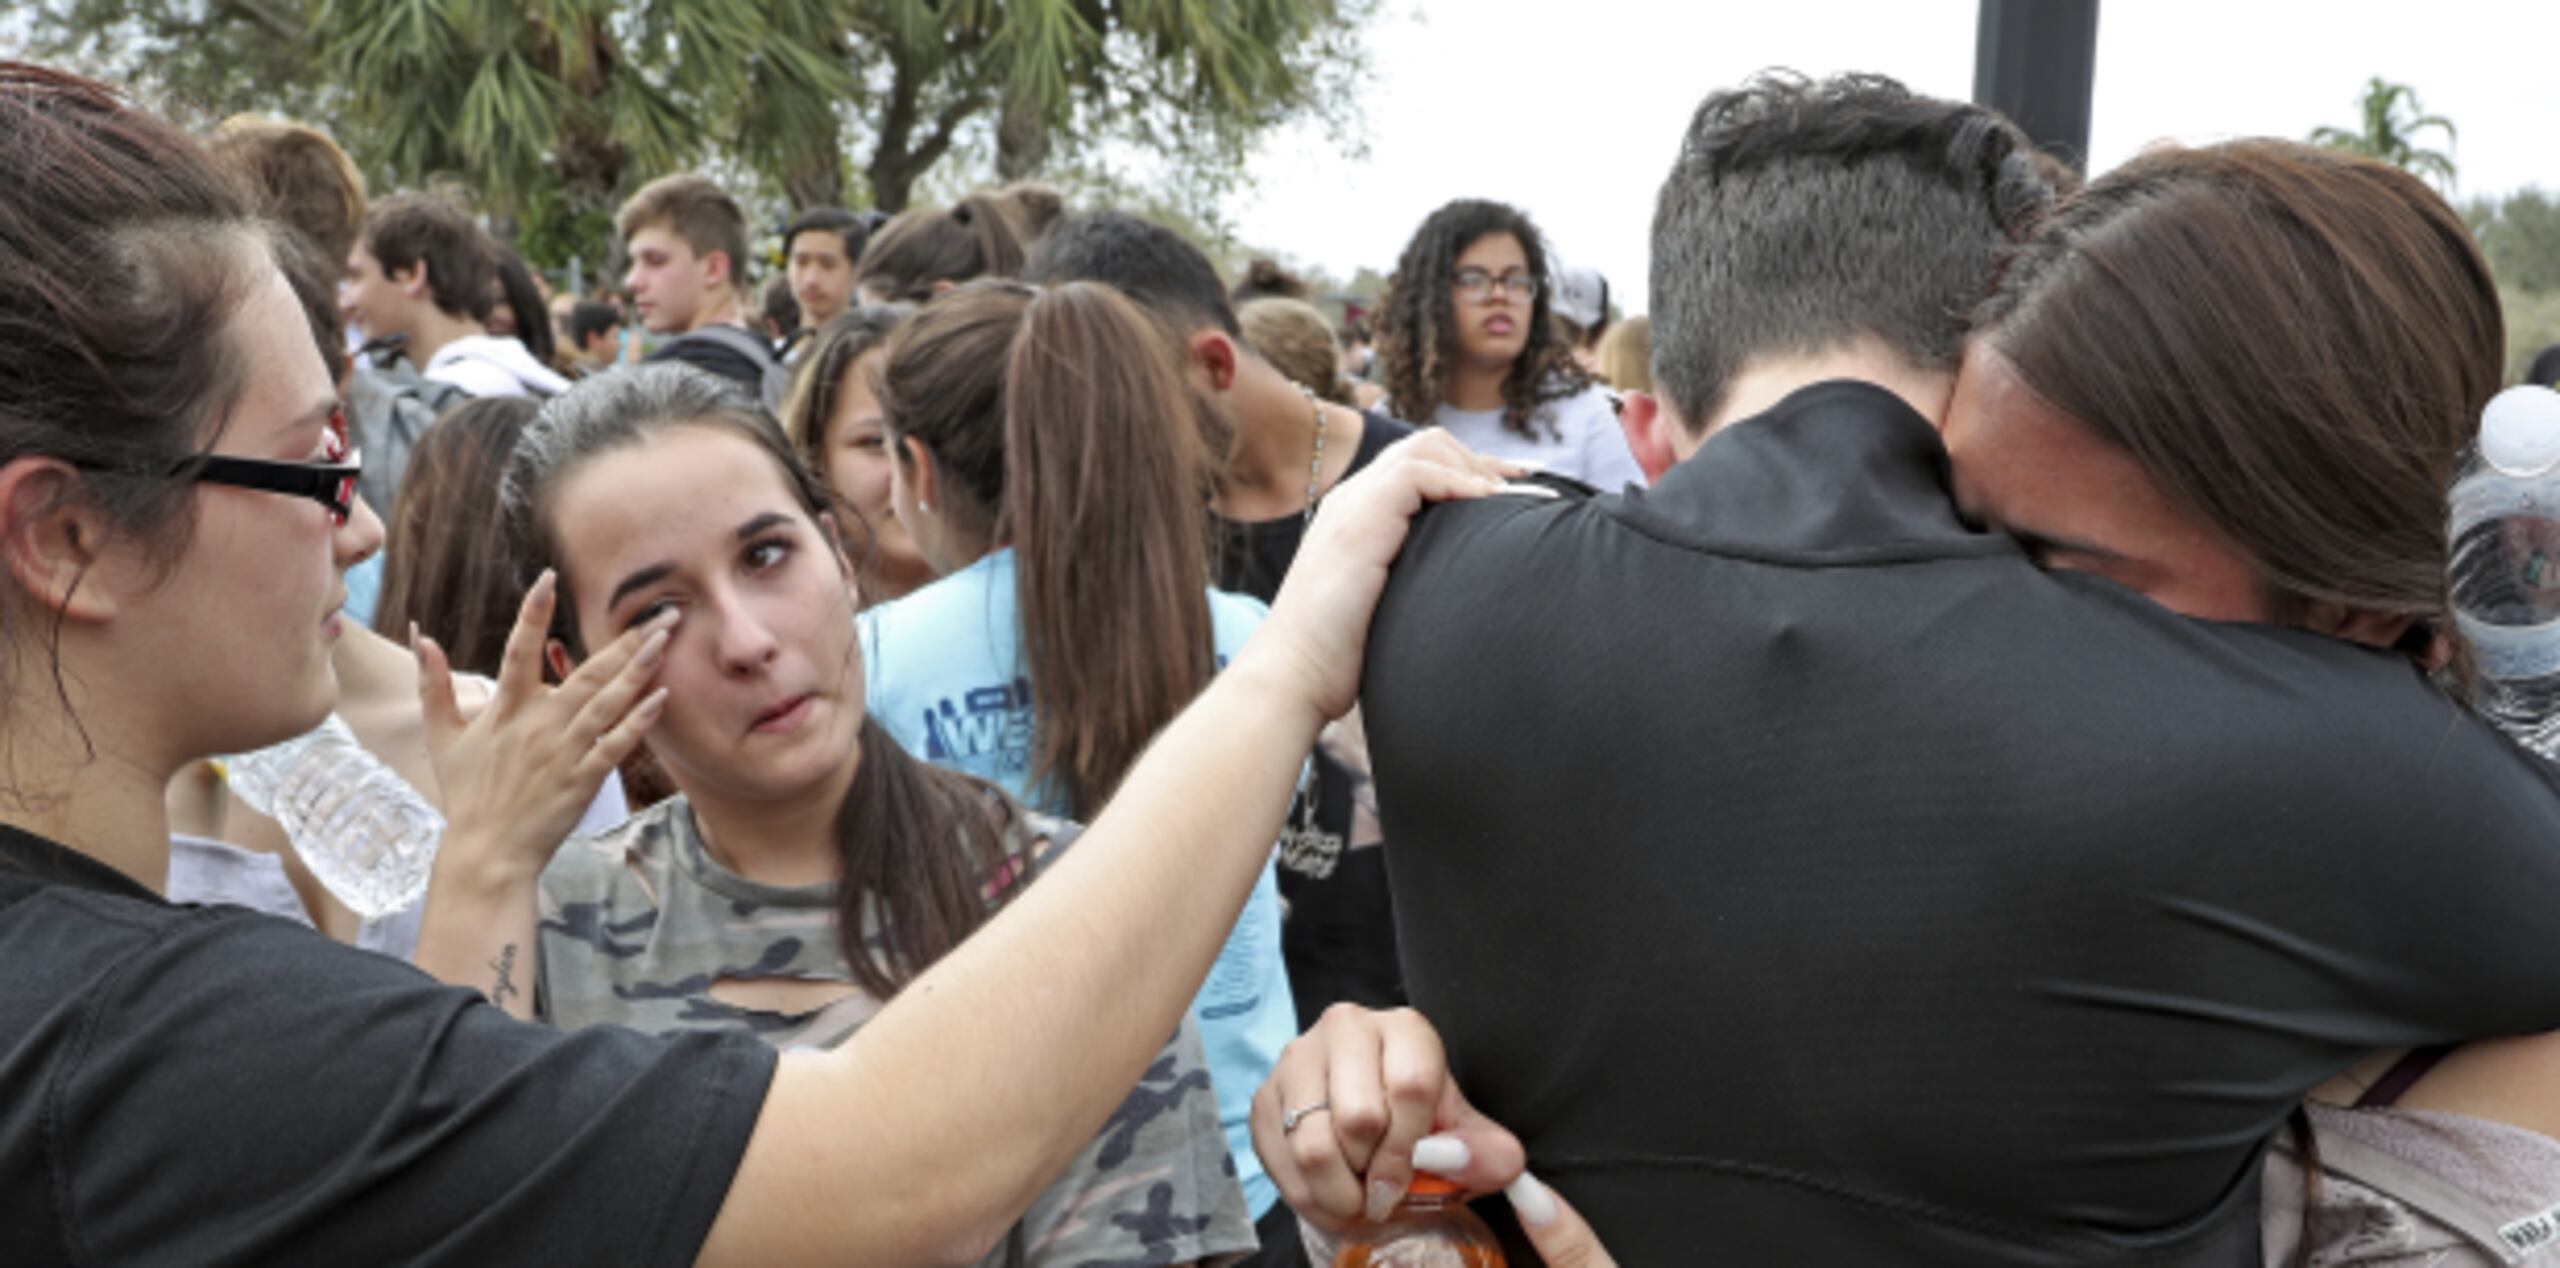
[
  {"x": 2391, "y": 121},
  {"x": 551, "y": 109},
  {"x": 2520, "y": 235}
]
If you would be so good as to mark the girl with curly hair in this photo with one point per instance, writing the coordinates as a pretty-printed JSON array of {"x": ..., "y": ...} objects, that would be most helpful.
[{"x": 1470, "y": 345}]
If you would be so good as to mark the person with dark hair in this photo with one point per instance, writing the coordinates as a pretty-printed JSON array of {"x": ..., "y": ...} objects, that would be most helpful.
[
  {"x": 426, "y": 276},
  {"x": 1962, "y": 896},
  {"x": 177, "y": 503},
  {"x": 1266, "y": 279},
  {"x": 832, "y": 415},
  {"x": 779, "y": 312},
  {"x": 688, "y": 246},
  {"x": 819, "y": 247},
  {"x": 516, "y": 308},
  {"x": 1291, "y": 451},
  {"x": 1470, "y": 344},
  {"x": 1074, "y": 615},
  {"x": 595, "y": 335},
  {"x": 924, "y": 251}
]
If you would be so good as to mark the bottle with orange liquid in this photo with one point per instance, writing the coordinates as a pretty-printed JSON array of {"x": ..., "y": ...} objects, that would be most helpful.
[{"x": 1431, "y": 1228}]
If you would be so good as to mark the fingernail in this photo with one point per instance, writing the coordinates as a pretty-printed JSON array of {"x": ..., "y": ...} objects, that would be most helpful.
[
  {"x": 1382, "y": 1199},
  {"x": 542, "y": 585},
  {"x": 1533, "y": 1202},
  {"x": 653, "y": 646},
  {"x": 1531, "y": 490},
  {"x": 413, "y": 636},
  {"x": 1443, "y": 1154}
]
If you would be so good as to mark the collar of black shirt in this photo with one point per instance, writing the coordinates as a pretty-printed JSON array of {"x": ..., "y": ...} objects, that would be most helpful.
[
  {"x": 1838, "y": 472},
  {"x": 51, "y": 863}
]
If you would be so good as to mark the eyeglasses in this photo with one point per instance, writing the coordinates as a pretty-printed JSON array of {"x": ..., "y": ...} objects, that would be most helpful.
[
  {"x": 331, "y": 482},
  {"x": 1477, "y": 284}
]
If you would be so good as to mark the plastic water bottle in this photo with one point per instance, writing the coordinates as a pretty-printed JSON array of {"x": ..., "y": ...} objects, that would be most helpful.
[
  {"x": 2506, "y": 564},
  {"x": 1431, "y": 1228},
  {"x": 363, "y": 831}
]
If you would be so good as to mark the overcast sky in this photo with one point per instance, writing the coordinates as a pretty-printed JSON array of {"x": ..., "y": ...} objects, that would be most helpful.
[{"x": 1572, "y": 109}]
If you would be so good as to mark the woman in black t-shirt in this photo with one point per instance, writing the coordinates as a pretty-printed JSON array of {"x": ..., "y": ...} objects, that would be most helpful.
[{"x": 208, "y": 1085}]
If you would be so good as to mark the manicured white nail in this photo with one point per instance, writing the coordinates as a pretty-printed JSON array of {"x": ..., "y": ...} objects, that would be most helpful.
[
  {"x": 1530, "y": 490},
  {"x": 1443, "y": 1154},
  {"x": 1533, "y": 1202},
  {"x": 1382, "y": 1199}
]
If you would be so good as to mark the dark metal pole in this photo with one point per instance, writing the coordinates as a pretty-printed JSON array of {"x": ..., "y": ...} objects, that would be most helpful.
[{"x": 2034, "y": 61}]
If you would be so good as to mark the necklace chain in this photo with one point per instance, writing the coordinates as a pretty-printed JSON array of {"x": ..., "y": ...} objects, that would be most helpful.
[
  {"x": 1305, "y": 845},
  {"x": 1315, "y": 461}
]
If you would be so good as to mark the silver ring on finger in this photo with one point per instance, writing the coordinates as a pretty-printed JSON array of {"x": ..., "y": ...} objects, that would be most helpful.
[{"x": 1289, "y": 1119}]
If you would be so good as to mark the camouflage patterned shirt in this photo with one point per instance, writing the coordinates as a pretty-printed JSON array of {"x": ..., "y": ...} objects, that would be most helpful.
[{"x": 639, "y": 922}]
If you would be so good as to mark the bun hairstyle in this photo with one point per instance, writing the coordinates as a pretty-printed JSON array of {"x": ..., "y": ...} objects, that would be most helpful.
[
  {"x": 1265, "y": 279},
  {"x": 980, "y": 236}
]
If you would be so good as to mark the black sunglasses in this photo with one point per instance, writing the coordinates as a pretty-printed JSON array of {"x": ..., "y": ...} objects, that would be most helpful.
[{"x": 330, "y": 483}]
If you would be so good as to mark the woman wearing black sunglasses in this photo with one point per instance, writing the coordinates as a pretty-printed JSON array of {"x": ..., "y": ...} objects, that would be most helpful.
[{"x": 201, "y": 1085}]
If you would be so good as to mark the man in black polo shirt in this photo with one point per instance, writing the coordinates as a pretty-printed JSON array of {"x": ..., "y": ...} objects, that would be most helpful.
[{"x": 1808, "y": 877}]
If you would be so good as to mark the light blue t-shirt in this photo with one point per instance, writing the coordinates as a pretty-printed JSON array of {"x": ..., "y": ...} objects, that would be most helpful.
[{"x": 944, "y": 675}]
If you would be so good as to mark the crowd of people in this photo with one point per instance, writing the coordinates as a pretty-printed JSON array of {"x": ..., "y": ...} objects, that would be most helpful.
[{"x": 1942, "y": 741}]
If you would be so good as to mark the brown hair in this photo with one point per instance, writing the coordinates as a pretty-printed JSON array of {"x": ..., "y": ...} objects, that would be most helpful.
[
  {"x": 2295, "y": 343},
  {"x": 694, "y": 209},
  {"x": 1266, "y": 279},
  {"x": 296, "y": 176},
  {"x": 406, "y": 230},
  {"x": 1064, "y": 413},
  {"x": 915, "y": 843},
  {"x": 815, "y": 387},
  {"x": 446, "y": 565},
  {"x": 1034, "y": 207},
  {"x": 1297, "y": 341},
  {"x": 979, "y": 237},
  {"x": 1625, "y": 354},
  {"x": 126, "y": 252}
]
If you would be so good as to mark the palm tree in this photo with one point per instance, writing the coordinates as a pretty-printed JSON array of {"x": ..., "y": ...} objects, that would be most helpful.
[{"x": 2392, "y": 120}]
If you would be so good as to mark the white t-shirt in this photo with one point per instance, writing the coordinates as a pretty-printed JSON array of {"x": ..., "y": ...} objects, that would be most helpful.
[
  {"x": 1576, "y": 436},
  {"x": 488, "y": 365}
]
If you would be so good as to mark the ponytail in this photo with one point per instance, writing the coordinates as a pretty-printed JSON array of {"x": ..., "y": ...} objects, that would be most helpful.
[
  {"x": 1064, "y": 415},
  {"x": 1107, "y": 478},
  {"x": 920, "y": 846}
]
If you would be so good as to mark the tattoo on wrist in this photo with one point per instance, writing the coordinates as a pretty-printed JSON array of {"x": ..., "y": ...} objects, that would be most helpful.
[{"x": 505, "y": 967}]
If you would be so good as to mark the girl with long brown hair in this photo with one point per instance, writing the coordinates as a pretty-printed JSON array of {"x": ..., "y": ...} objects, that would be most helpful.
[
  {"x": 658, "y": 495},
  {"x": 1055, "y": 467}
]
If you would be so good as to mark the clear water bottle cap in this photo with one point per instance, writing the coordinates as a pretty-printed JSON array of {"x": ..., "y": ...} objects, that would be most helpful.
[{"x": 2520, "y": 431}]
